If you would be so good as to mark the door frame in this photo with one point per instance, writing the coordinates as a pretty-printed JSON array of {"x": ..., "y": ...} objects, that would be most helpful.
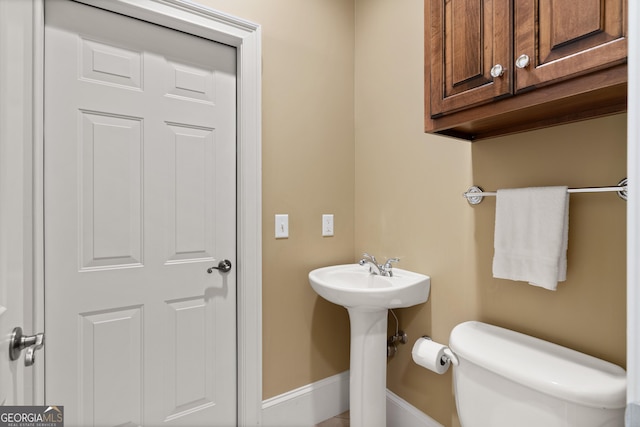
[
  {"x": 633, "y": 223},
  {"x": 22, "y": 107}
]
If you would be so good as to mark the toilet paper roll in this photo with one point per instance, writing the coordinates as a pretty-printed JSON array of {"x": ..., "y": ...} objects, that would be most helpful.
[{"x": 431, "y": 355}]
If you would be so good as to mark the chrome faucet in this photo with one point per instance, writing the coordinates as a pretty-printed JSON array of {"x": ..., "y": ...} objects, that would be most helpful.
[
  {"x": 370, "y": 260},
  {"x": 375, "y": 268}
]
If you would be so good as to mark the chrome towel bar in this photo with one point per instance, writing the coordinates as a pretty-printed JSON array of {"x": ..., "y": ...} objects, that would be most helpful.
[{"x": 475, "y": 195}]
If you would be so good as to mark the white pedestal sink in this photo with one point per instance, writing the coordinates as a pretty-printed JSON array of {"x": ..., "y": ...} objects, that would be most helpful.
[{"x": 367, "y": 297}]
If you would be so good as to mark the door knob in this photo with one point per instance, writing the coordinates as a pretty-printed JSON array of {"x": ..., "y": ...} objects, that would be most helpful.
[
  {"x": 224, "y": 266},
  {"x": 19, "y": 342}
]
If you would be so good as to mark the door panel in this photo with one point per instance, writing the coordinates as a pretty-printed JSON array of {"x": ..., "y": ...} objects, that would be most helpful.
[
  {"x": 190, "y": 175},
  {"x": 139, "y": 203},
  {"x": 191, "y": 367},
  {"x": 111, "y": 353},
  {"x": 566, "y": 39},
  {"x": 110, "y": 190},
  {"x": 468, "y": 37}
]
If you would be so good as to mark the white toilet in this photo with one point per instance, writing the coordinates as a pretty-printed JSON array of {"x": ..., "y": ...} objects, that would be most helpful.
[{"x": 507, "y": 379}]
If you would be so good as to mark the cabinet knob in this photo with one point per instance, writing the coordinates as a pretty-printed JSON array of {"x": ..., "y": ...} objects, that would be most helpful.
[
  {"x": 497, "y": 70},
  {"x": 522, "y": 61}
]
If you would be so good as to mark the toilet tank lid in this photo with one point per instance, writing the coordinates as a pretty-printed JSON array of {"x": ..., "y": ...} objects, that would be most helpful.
[{"x": 543, "y": 366}]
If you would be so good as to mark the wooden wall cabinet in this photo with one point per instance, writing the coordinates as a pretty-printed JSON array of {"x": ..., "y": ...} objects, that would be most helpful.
[{"x": 495, "y": 67}]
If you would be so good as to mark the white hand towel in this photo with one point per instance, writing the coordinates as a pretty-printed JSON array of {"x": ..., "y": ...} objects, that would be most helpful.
[{"x": 531, "y": 233}]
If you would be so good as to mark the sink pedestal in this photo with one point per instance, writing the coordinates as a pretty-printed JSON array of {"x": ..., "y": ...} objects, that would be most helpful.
[
  {"x": 368, "y": 367},
  {"x": 368, "y": 297}
]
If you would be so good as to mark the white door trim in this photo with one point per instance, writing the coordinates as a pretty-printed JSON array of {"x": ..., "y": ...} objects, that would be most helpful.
[
  {"x": 633, "y": 223},
  {"x": 25, "y": 65}
]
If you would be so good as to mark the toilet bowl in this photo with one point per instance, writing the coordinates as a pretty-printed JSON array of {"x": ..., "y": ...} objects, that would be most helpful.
[{"x": 506, "y": 379}]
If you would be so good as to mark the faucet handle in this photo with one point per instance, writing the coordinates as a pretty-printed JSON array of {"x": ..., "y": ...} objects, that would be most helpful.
[
  {"x": 386, "y": 268},
  {"x": 387, "y": 264},
  {"x": 370, "y": 258}
]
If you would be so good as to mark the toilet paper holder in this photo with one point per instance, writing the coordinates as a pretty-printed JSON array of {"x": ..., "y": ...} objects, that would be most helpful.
[{"x": 449, "y": 356}]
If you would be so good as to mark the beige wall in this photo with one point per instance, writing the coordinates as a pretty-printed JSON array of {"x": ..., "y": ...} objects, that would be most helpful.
[
  {"x": 587, "y": 312},
  {"x": 308, "y": 156},
  {"x": 408, "y": 191},
  {"x": 342, "y": 134},
  {"x": 422, "y": 217},
  {"x": 408, "y": 203}
]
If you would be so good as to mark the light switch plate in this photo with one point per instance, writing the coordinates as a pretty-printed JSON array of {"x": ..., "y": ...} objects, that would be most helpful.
[
  {"x": 327, "y": 225},
  {"x": 282, "y": 226}
]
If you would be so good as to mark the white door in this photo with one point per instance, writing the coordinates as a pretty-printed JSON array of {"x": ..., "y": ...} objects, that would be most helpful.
[{"x": 140, "y": 202}]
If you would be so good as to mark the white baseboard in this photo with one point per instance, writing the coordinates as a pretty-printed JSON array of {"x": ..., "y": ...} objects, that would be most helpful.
[
  {"x": 402, "y": 414},
  {"x": 311, "y": 404},
  {"x": 308, "y": 405}
]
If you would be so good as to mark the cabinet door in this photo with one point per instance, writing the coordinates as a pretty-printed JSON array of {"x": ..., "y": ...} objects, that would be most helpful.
[
  {"x": 468, "y": 37},
  {"x": 565, "y": 39}
]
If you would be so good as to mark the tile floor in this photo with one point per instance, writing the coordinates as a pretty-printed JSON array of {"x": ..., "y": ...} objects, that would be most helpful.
[{"x": 341, "y": 420}]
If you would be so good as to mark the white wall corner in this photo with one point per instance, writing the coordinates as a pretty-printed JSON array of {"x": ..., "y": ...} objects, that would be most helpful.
[
  {"x": 308, "y": 405},
  {"x": 402, "y": 414}
]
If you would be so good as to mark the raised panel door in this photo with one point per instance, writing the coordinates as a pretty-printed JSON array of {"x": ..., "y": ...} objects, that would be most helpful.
[
  {"x": 468, "y": 37},
  {"x": 564, "y": 39},
  {"x": 140, "y": 173}
]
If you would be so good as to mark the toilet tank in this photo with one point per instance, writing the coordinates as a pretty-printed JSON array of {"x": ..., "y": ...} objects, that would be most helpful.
[{"x": 507, "y": 379}]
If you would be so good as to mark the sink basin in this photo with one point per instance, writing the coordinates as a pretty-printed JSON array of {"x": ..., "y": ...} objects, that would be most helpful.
[
  {"x": 351, "y": 285},
  {"x": 368, "y": 297}
]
